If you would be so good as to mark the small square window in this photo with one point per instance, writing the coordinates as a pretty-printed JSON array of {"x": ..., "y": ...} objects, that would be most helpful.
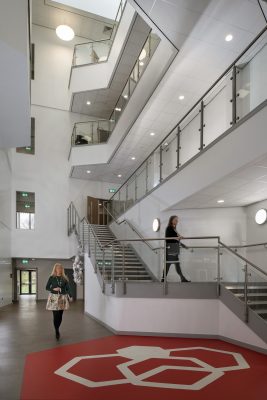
[{"x": 25, "y": 210}]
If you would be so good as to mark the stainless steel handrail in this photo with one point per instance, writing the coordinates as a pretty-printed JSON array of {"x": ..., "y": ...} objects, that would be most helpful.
[{"x": 131, "y": 226}]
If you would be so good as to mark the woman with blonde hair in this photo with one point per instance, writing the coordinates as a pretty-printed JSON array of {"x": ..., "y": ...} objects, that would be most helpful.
[{"x": 59, "y": 296}]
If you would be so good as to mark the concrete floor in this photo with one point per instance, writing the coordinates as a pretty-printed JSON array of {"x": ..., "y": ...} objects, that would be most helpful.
[{"x": 27, "y": 327}]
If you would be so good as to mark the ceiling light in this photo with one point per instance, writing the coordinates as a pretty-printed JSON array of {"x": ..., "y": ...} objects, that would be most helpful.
[
  {"x": 181, "y": 97},
  {"x": 125, "y": 96},
  {"x": 141, "y": 63},
  {"x": 88, "y": 172},
  {"x": 88, "y": 103},
  {"x": 142, "y": 55},
  {"x": 133, "y": 158},
  {"x": 119, "y": 176},
  {"x": 261, "y": 216},
  {"x": 166, "y": 144},
  {"x": 65, "y": 32},
  {"x": 152, "y": 133},
  {"x": 228, "y": 37},
  {"x": 220, "y": 201},
  {"x": 117, "y": 109}
]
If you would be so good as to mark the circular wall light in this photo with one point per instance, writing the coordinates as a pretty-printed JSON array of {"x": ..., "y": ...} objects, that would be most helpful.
[
  {"x": 156, "y": 225},
  {"x": 65, "y": 32},
  {"x": 261, "y": 216}
]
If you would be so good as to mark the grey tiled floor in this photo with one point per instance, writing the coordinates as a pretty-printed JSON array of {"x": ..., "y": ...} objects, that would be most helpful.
[{"x": 26, "y": 327}]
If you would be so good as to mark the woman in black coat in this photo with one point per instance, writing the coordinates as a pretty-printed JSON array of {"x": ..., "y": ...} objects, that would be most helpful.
[{"x": 173, "y": 248}]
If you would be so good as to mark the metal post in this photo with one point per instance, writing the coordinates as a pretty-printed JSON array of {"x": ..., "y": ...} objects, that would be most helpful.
[
  {"x": 201, "y": 129},
  {"x": 135, "y": 187},
  {"x": 218, "y": 271},
  {"x": 103, "y": 272},
  {"x": 95, "y": 256},
  {"x": 123, "y": 269},
  {"x": 146, "y": 176},
  {"x": 178, "y": 146},
  {"x": 165, "y": 287},
  {"x": 112, "y": 272},
  {"x": 160, "y": 164},
  {"x": 68, "y": 221},
  {"x": 233, "y": 100},
  {"x": 246, "y": 292},
  {"x": 126, "y": 197}
]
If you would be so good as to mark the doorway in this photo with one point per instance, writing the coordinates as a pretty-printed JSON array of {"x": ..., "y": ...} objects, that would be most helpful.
[
  {"x": 27, "y": 282},
  {"x": 96, "y": 213}
]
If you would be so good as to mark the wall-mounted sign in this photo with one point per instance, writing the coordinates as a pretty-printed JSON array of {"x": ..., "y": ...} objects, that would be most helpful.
[
  {"x": 156, "y": 225},
  {"x": 25, "y": 261},
  {"x": 112, "y": 190},
  {"x": 261, "y": 216}
]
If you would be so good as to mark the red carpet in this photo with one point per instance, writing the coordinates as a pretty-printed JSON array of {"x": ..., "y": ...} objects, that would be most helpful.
[{"x": 145, "y": 368}]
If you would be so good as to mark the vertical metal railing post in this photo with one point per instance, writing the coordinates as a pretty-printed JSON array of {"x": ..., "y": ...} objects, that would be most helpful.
[
  {"x": 123, "y": 268},
  {"x": 126, "y": 197},
  {"x": 135, "y": 187},
  {"x": 178, "y": 146},
  {"x": 233, "y": 100},
  {"x": 246, "y": 291},
  {"x": 201, "y": 129},
  {"x": 218, "y": 271},
  {"x": 112, "y": 271},
  {"x": 95, "y": 263},
  {"x": 146, "y": 176},
  {"x": 165, "y": 284},
  {"x": 160, "y": 164},
  {"x": 68, "y": 221},
  {"x": 103, "y": 271}
]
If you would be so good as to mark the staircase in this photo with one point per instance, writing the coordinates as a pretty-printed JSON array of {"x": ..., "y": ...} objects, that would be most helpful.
[
  {"x": 134, "y": 267},
  {"x": 257, "y": 297}
]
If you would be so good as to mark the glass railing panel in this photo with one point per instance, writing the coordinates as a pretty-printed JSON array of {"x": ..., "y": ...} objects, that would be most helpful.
[
  {"x": 92, "y": 52},
  {"x": 251, "y": 79},
  {"x": 197, "y": 265},
  {"x": 257, "y": 292},
  {"x": 232, "y": 269},
  {"x": 130, "y": 193},
  {"x": 218, "y": 110},
  {"x": 91, "y": 132},
  {"x": 169, "y": 155},
  {"x": 153, "y": 171},
  {"x": 190, "y": 136},
  {"x": 116, "y": 207},
  {"x": 141, "y": 182},
  {"x": 123, "y": 196}
]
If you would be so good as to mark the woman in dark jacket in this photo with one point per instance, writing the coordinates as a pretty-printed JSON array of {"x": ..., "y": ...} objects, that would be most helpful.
[{"x": 173, "y": 248}]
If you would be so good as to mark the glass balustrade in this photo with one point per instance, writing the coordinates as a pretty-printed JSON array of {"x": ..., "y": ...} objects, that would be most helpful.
[
  {"x": 241, "y": 89},
  {"x": 91, "y": 132}
]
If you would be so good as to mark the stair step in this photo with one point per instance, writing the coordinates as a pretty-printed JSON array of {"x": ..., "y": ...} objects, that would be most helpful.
[{"x": 262, "y": 311}]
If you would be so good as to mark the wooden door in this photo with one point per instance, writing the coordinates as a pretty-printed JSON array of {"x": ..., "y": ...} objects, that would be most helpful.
[{"x": 96, "y": 213}]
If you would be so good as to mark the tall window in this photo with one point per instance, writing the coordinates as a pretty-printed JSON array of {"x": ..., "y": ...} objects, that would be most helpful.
[
  {"x": 31, "y": 148},
  {"x": 25, "y": 210}
]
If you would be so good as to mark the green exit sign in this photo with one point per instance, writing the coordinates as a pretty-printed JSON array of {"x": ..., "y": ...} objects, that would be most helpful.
[
  {"x": 112, "y": 190},
  {"x": 25, "y": 261}
]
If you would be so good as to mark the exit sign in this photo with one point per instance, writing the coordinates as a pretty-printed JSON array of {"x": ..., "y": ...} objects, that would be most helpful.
[
  {"x": 112, "y": 190},
  {"x": 25, "y": 261}
]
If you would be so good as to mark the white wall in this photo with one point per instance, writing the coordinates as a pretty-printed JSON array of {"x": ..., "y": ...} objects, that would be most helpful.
[
  {"x": 14, "y": 77},
  {"x": 173, "y": 316},
  {"x": 5, "y": 229},
  {"x": 256, "y": 234},
  {"x": 47, "y": 175}
]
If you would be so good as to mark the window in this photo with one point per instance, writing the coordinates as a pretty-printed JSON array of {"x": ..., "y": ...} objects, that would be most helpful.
[
  {"x": 25, "y": 210},
  {"x": 29, "y": 149}
]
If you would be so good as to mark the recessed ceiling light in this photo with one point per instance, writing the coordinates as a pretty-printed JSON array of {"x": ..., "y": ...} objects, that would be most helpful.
[
  {"x": 88, "y": 172},
  {"x": 220, "y": 201},
  {"x": 133, "y": 158},
  {"x": 65, "y": 32},
  {"x": 142, "y": 55},
  {"x": 88, "y": 103},
  {"x": 181, "y": 97},
  {"x": 141, "y": 63},
  {"x": 117, "y": 109},
  {"x": 125, "y": 96},
  {"x": 119, "y": 176},
  {"x": 228, "y": 37},
  {"x": 152, "y": 133},
  {"x": 166, "y": 144}
]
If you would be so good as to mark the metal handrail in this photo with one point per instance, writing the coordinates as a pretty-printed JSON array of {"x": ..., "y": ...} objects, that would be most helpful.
[
  {"x": 131, "y": 226},
  {"x": 192, "y": 108}
]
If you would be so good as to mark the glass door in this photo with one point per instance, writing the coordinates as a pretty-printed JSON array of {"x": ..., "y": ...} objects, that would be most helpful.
[{"x": 27, "y": 282}]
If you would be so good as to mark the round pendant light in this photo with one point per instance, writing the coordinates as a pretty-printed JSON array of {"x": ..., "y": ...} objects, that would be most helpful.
[
  {"x": 156, "y": 225},
  {"x": 65, "y": 32},
  {"x": 261, "y": 216}
]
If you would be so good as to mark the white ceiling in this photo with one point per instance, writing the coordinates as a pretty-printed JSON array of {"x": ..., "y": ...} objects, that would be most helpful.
[
  {"x": 245, "y": 186},
  {"x": 85, "y": 25},
  {"x": 104, "y": 8},
  {"x": 199, "y": 29}
]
